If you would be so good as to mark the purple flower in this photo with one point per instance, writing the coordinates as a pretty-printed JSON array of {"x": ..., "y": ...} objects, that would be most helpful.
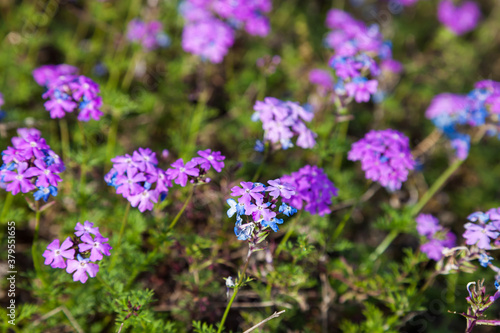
[
  {"x": 86, "y": 228},
  {"x": 55, "y": 254},
  {"x": 180, "y": 172},
  {"x": 427, "y": 225},
  {"x": 145, "y": 160},
  {"x": 461, "y": 18},
  {"x": 149, "y": 34},
  {"x": 97, "y": 246},
  {"x": 20, "y": 180},
  {"x": 434, "y": 247},
  {"x": 321, "y": 78},
  {"x": 281, "y": 121},
  {"x": 312, "y": 189},
  {"x": 385, "y": 157},
  {"x": 123, "y": 164},
  {"x": 361, "y": 89},
  {"x": 67, "y": 92},
  {"x": 277, "y": 188},
  {"x": 47, "y": 175},
  {"x": 129, "y": 183},
  {"x": 209, "y": 158},
  {"x": 144, "y": 200},
  {"x": 248, "y": 191},
  {"x": 82, "y": 267},
  {"x": 480, "y": 235},
  {"x": 209, "y": 39}
]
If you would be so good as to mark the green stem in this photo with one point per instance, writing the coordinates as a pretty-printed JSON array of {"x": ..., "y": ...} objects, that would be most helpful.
[
  {"x": 112, "y": 134},
  {"x": 416, "y": 209},
  {"x": 34, "y": 252},
  {"x": 235, "y": 292},
  {"x": 120, "y": 236},
  {"x": 83, "y": 169},
  {"x": 129, "y": 75},
  {"x": 436, "y": 186},
  {"x": 288, "y": 234},
  {"x": 63, "y": 124},
  {"x": 6, "y": 205},
  {"x": 177, "y": 217},
  {"x": 384, "y": 245},
  {"x": 342, "y": 134},
  {"x": 122, "y": 228}
]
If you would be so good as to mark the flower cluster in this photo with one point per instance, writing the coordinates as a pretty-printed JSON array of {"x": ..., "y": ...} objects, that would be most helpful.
[
  {"x": 385, "y": 157},
  {"x": 281, "y": 121},
  {"x": 80, "y": 253},
  {"x": 139, "y": 179},
  {"x": 210, "y": 24},
  {"x": 483, "y": 228},
  {"x": 258, "y": 205},
  {"x": 149, "y": 34},
  {"x": 30, "y": 165},
  {"x": 451, "y": 113},
  {"x": 356, "y": 47},
  {"x": 313, "y": 190},
  {"x": 67, "y": 91},
  {"x": 459, "y": 18},
  {"x": 437, "y": 237}
]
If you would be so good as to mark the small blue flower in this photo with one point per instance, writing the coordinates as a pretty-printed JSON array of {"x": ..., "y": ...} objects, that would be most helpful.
[
  {"x": 147, "y": 185},
  {"x": 273, "y": 223},
  {"x": 235, "y": 207},
  {"x": 484, "y": 259},
  {"x": 287, "y": 210},
  {"x": 243, "y": 232},
  {"x": 45, "y": 192},
  {"x": 259, "y": 146},
  {"x": 478, "y": 216}
]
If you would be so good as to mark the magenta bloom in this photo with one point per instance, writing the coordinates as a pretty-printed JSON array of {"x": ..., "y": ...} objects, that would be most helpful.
[
  {"x": 248, "y": 191},
  {"x": 86, "y": 228},
  {"x": 82, "y": 267},
  {"x": 180, "y": 172},
  {"x": 20, "y": 180},
  {"x": 282, "y": 121},
  {"x": 277, "y": 187},
  {"x": 361, "y": 89},
  {"x": 313, "y": 190},
  {"x": 55, "y": 254},
  {"x": 129, "y": 183},
  {"x": 47, "y": 175},
  {"x": 97, "y": 246},
  {"x": 209, "y": 158},
  {"x": 480, "y": 235},
  {"x": 67, "y": 91},
  {"x": 322, "y": 78},
  {"x": 210, "y": 39},
  {"x": 149, "y": 34},
  {"x": 461, "y": 18},
  {"x": 144, "y": 200},
  {"x": 427, "y": 225},
  {"x": 385, "y": 157},
  {"x": 145, "y": 160},
  {"x": 434, "y": 247}
]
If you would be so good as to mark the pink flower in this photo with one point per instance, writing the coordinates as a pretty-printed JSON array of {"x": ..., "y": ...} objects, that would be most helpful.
[{"x": 55, "y": 254}]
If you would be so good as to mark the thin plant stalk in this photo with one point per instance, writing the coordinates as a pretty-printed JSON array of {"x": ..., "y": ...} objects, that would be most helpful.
[
  {"x": 83, "y": 167},
  {"x": 63, "y": 125},
  {"x": 120, "y": 236},
  {"x": 288, "y": 233},
  {"x": 177, "y": 217},
  {"x": 235, "y": 292},
  {"x": 418, "y": 207},
  {"x": 34, "y": 252}
]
